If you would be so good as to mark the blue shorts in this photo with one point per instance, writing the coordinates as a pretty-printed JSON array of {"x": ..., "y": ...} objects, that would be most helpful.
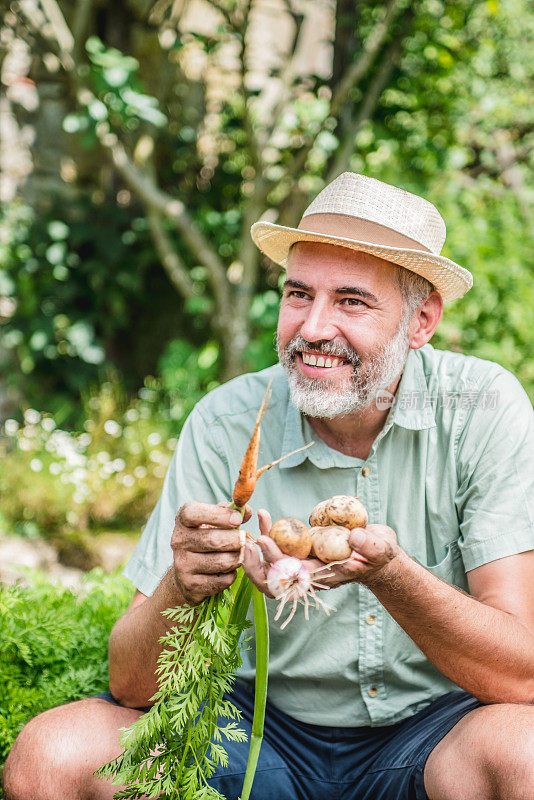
[{"x": 314, "y": 762}]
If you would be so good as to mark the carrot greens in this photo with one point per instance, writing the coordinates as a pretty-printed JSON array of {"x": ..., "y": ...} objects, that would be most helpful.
[{"x": 174, "y": 749}]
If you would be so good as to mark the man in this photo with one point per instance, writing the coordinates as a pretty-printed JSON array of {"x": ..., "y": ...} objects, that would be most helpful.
[{"x": 438, "y": 446}]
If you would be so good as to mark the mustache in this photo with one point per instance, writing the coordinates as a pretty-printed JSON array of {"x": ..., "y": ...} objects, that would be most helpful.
[{"x": 324, "y": 347}]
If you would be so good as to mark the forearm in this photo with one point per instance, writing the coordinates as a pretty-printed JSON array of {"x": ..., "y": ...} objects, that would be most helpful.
[
  {"x": 484, "y": 650},
  {"x": 134, "y": 645}
]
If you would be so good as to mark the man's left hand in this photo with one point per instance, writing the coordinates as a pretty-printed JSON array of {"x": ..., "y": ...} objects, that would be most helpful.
[{"x": 373, "y": 548}]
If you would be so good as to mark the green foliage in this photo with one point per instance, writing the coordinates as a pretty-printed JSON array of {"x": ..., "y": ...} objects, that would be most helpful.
[
  {"x": 74, "y": 276},
  {"x": 173, "y": 750},
  {"x": 55, "y": 482},
  {"x": 261, "y": 351},
  {"x": 119, "y": 99},
  {"x": 494, "y": 320},
  {"x": 58, "y": 483},
  {"x": 54, "y": 646},
  {"x": 452, "y": 123},
  {"x": 186, "y": 374}
]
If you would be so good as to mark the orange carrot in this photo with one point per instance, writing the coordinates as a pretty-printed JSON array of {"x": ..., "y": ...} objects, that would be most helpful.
[{"x": 249, "y": 472}]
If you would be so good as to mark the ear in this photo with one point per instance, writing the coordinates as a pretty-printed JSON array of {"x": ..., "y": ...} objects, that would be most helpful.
[{"x": 425, "y": 320}]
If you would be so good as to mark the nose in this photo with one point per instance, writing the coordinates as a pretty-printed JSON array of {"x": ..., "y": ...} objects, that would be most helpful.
[{"x": 318, "y": 324}]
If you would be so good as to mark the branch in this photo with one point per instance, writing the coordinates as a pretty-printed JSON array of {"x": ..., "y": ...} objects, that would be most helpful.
[
  {"x": 354, "y": 73},
  {"x": 286, "y": 79},
  {"x": 39, "y": 23},
  {"x": 79, "y": 26},
  {"x": 171, "y": 261},
  {"x": 138, "y": 181},
  {"x": 61, "y": 31},
  {"x": 367, "y": 107},
  {"x": 371, "y": 47},
  {"x": 255, "y": 146},
  {"x": 153, "y": 197}
]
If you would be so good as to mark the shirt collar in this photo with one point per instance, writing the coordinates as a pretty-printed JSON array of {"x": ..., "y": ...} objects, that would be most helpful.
[
  {"x": 412, "y": 405},
  {"x": 411, "y": 408}
]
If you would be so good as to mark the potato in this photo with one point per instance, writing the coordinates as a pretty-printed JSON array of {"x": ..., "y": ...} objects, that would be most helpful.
[
  {"x": 319, "y": 516},
  {"x": 346, "y": 511},
  {"x": 313, "y": 531},
  {"x": 292, "y": 537},
  {"x": 331, "y": 543}
]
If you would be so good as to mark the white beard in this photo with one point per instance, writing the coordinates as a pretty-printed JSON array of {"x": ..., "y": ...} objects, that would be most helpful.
[{"x": 319, "y": 397}]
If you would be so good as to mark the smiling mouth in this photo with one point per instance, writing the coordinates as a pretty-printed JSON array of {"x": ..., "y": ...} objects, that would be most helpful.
[{"x": 326, "y": 362}]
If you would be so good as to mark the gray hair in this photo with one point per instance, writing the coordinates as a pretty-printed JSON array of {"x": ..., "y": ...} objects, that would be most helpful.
[{"x": 413, "y": 288}]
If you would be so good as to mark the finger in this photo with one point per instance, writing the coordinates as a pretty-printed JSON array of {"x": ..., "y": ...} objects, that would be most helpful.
[
  {"x": 269, "y": 548},
  {"x": 215, "y": 563},
  {"x": 209, "y": 540},
  {"x": 255, "y": 568},
  {"x": 192, "y": 515},
  {"x": 265, "y": 521},
  {"x": 195, "y": 588},
  {"x": 209, "y": 585},
  {"x": 247, "y": 511},
  {"x": 374, "y": 548}
]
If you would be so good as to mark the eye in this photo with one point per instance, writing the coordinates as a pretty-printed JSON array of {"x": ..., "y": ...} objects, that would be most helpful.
[
  {"x": 354, "y": 302},
  {"x": 298, "y": 294}
]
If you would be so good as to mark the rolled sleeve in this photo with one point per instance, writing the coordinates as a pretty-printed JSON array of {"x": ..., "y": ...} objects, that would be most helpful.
[{"x": 495, "y": 460}]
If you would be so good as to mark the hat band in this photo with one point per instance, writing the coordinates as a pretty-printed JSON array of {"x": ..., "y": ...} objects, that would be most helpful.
[{"x": 363, "y": 230}]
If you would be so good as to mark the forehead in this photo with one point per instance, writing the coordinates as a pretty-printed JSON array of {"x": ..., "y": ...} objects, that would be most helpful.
[{"x": 329, "y": 265}]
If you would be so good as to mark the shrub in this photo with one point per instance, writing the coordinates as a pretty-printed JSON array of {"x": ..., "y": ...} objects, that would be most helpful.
[
  {"x": 54, "y": 646},
  {"x": 56, "y": 482}
]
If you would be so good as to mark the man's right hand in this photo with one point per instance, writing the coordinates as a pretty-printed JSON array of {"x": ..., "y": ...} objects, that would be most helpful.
[{"x": 206, "y": 542}]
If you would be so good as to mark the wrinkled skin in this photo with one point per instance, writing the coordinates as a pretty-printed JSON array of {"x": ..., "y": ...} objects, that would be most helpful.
[{"x": 206, "y": 543}]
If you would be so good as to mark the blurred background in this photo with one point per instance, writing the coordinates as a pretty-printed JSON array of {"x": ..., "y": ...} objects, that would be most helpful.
[{"x": 139, "y": 142}]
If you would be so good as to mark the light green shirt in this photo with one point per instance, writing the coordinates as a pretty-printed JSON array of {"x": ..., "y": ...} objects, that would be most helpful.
[{"x": 451, "y": 472}]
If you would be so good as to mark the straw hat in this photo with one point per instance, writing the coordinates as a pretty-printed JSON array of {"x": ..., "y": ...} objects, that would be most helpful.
[{"x": 365, "y": 214}]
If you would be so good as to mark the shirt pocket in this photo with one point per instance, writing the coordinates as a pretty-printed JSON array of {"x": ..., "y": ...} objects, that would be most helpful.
[{"x": 450, "y": 568}]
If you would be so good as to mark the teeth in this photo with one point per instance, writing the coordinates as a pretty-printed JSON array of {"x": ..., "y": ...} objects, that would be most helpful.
[{"x": 319, "y": 361}]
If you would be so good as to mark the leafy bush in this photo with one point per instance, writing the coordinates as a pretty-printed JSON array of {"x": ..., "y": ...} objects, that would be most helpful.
[
  {"x": 186, "y": 374},
  {"x": 74, "y": 283},
  {"x": 488, "y": 234},
  {"x": 54, "y": 646},
  {"x": 60, "y": 484},
  {"x": 55, "y": 481}
]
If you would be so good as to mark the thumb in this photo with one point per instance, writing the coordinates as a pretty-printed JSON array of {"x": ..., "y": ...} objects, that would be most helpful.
[
  {"x": 265, "y": 521},
  {"x": 269, "y": 548},
  {"x": 372, "y": 545}
]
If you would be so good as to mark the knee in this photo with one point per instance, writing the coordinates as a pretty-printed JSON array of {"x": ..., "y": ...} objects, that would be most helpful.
[
  {"x": 502, "y": 740},
  {"x": 508, "y": 752},
  {"x": 489, "y": 754},
  {"x": 47, "y": 758},
  {"x": 37, "y": 758}
]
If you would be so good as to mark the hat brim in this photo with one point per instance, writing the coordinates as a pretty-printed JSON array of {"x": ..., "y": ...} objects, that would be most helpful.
[{"x": 450, "y": 279}]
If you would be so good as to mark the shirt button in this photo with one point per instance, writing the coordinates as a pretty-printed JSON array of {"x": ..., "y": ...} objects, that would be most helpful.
[
  {"x": 373, "y": 691},
  {"x": 370, "y": 619},
  {"x": 366, "y": 472}
]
